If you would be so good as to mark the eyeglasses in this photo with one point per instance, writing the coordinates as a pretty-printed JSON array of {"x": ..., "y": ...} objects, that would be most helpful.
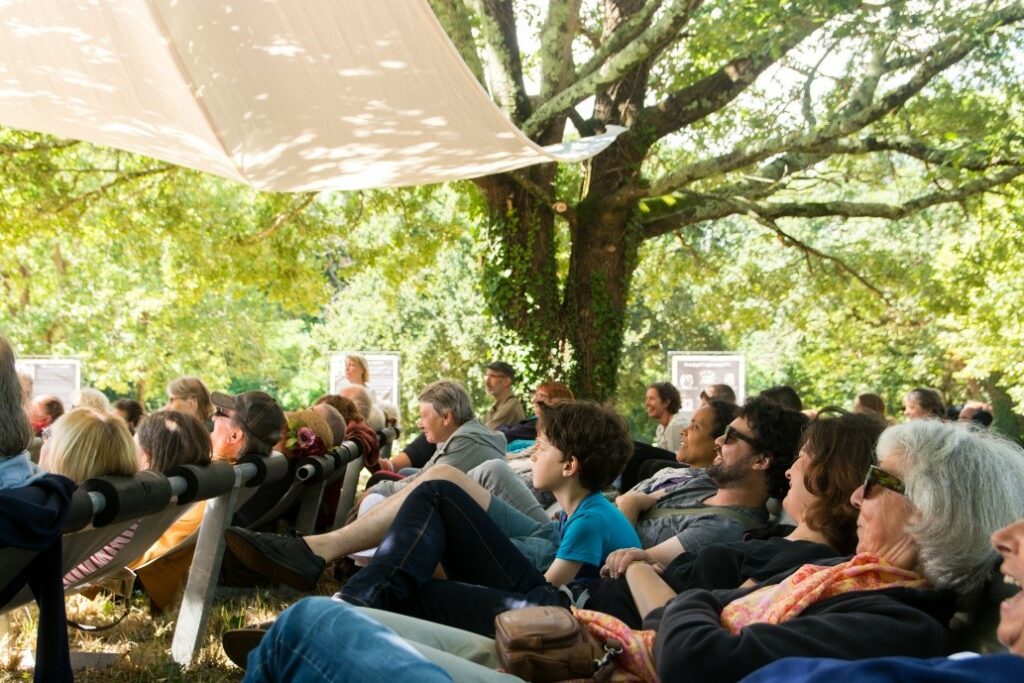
[
  {"x": 879, "y": 476},
  {"x": 731, "y": 434},
  {"x": 220, "y": 412}
]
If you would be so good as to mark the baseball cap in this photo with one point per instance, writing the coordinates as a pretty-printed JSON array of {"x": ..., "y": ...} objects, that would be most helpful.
[{"x": 256, "y": 411}]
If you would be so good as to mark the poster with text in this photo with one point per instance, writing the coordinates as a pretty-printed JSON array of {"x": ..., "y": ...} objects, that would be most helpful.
[
  {"x": 694, "y": 371},
  {"x": 60, "y": 377}
]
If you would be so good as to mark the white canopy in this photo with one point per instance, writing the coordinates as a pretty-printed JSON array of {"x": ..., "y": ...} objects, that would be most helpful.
[{"x": 284, "y": 95}]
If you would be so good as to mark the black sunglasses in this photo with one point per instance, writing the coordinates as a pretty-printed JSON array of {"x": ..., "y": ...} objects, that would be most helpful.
[
  {"x": 882, "y": 478},
  {"x": 731, "y": 434},
  {"x": 220, "y": 412}
]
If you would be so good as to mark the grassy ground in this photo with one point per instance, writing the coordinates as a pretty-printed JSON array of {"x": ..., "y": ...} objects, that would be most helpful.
[{"x": 142, "y": 642}]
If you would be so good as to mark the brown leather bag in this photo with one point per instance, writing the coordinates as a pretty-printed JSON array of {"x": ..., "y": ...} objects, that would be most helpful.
[{"x": 543, "y": 644}]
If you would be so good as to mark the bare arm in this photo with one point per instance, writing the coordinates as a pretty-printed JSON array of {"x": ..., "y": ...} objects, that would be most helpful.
[
  {"x": 634, "y": 504},
  {"x": 648, "y": 588},
  {"x": 562, "y": 572},
  {"x": 660, "y": 555},
  {"x": 401, "y": 461}
]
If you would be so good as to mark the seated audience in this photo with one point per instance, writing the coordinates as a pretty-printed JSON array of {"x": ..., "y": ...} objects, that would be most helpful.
[
  {"x": 447, "y": 420},
  {"x": 507, "y": 409},
  {"x": 662, "y": 403},
  {"x": 43, "y": 412},
  {"x": 16, "y": 467},
  {"x": 729, "y": 497},
  {"x": 923, "y": 403},
  {"x": 91, "y": 398},
  {"x": 250, "y": 422},
  {"x": 696, "y": 448},
  {"x": 717, "y": 392},
  {"x": 837, "y": 449},
  {"x": 522, "y": 434},
  {"x": 869, "y": 403},
  {"x": 785, "y": 396},
  {"x": 27, "y": 388},
  {"x": 1008, "y": 542},
  {"x": 977, "y": 412},
  {"x": 33, "y": 509},
  {"x": 130, "y": 411},
  {"x": 189, "y": 395},
  {"x": 467, "y": 531},
  {"x": 918, "y": 550},
  {"x": 361, "y": 397},
  {"x": 165, "y": 439},
  {"x": 87, "y": 443}
]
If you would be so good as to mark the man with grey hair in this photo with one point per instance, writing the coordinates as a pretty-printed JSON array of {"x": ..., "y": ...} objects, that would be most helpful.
[{"x": 447, "y": 420}]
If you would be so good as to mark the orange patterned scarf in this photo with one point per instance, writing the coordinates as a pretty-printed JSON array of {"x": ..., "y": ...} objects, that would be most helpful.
[
  {"x": 636, "y": 663},
  {"x": 810, "y": 584}
]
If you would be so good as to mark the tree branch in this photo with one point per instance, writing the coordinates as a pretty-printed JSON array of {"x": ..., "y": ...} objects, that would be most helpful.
[
  {"x": 653, "y": 39},
  {"x": 620, "y": 37},
  {"x": 556, "y": 36},
  {"x": 305, "y": 199},
  {"x": 121, "y": 179},
  {"x": 843, "y": 209},
  {"x": 498, "y": 27},
  {"x": 942, "y": 55},
  {"x": 809, "y": 251}
]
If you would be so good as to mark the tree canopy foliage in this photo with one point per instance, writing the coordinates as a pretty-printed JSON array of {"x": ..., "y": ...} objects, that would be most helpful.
[{"x": 770, "y": 111}]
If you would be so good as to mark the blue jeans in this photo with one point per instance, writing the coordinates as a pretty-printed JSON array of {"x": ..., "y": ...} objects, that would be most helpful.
[
  {"x": 439, "y": 523},
  {"x": 319, "y": 639}
]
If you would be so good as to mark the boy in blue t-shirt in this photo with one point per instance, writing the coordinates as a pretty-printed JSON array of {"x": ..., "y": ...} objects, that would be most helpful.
[{"x": 581, "y": 447}]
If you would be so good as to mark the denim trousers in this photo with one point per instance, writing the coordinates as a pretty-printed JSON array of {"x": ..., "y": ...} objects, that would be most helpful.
[
  {"x": 319, "y": 639},
  {"x": 439, "y": 523}
]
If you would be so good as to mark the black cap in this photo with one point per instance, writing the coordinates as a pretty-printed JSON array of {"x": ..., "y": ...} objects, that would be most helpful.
[
  {"x": 257, "y": 412},
  {"x": 502, "y": 368}
]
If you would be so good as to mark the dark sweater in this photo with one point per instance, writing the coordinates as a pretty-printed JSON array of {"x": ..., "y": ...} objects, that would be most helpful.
[
  {"x": 692, "y": 644},
  {"x": 32, "y": 518},
  {"x": 721, "y": 565}
]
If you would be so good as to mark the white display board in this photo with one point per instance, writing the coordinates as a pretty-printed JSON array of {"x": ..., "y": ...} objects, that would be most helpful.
[
  {"x": 384, "y": 377},
  {"x": 693, "y": 371},
  {"x": 61, "y": 377}
]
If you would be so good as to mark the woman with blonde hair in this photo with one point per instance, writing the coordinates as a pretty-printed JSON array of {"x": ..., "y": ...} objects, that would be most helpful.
[
  {"x": 190, "y": 395},
  {"x": 87, "y": 443}
]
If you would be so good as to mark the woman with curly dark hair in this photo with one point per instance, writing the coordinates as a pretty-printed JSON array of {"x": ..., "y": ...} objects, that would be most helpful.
[{"x": 836, "y": 450}]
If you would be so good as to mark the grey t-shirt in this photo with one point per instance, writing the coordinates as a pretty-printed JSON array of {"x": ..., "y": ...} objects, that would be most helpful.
[{"x": 697, "y": 530}]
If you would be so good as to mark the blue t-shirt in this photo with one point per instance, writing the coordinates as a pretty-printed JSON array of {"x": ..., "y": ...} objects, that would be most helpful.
[{"x": 594, "y": 530}]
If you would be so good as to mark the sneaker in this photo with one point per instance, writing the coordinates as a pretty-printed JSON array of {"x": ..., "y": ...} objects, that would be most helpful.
[
  {"x": 285, "y": 559},
  {"x": 239, "y": 642}
]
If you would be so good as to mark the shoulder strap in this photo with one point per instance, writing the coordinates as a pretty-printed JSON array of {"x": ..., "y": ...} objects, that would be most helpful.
[{"x": 747, "y": 521}]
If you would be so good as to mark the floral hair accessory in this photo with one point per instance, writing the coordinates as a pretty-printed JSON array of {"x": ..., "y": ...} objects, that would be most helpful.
[{"x": 303, "y": 441}]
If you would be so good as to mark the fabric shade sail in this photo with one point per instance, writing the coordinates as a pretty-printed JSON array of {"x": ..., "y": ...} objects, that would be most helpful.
[{"x": 284, "y": 95}]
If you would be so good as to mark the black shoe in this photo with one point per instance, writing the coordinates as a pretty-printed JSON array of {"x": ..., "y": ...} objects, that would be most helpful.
[
  {"x": 285, "y": 559},
  {"x": 238, "y": 643}
]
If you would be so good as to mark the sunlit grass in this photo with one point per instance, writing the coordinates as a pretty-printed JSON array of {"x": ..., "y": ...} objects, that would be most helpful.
[{"x": 143, "y": 642}]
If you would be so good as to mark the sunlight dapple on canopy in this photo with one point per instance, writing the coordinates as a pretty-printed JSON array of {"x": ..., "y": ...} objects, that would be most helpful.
[{"x": 285, "y": 96}]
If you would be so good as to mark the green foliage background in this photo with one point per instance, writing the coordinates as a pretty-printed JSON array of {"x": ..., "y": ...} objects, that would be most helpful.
[{"x": 148, "y": 272}]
